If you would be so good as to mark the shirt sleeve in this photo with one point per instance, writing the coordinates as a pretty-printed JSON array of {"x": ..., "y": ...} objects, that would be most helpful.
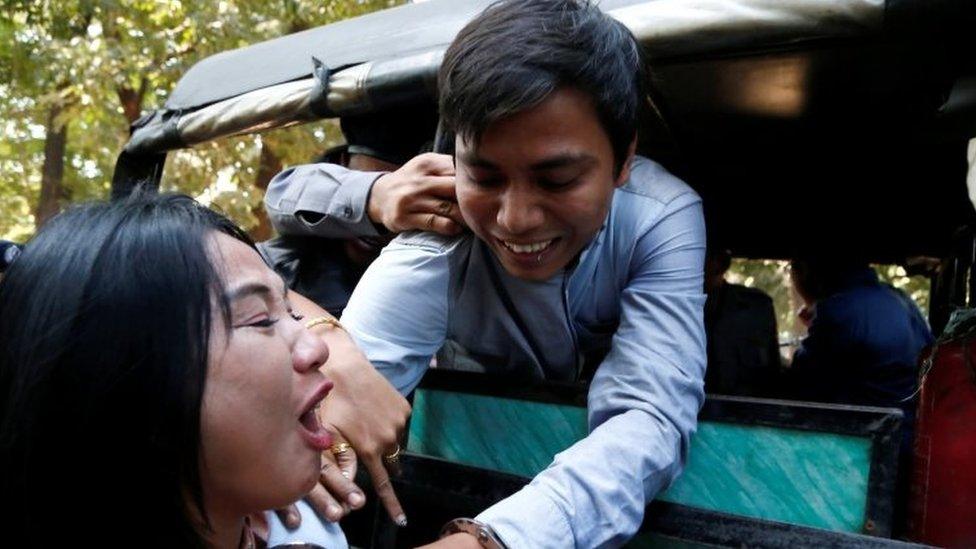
[
  {"x": 398, "y": 312},
  {"x": 324, "y": 200},
  {"x": 313, "y": 529},
  {"x": 643, "y": 403}
]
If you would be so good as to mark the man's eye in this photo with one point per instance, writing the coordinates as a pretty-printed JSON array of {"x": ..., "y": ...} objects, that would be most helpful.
[
  {"x": 556, "y": 184},
  {"x": 296, "y": 316},
  {"x": 487, "y": 182}
]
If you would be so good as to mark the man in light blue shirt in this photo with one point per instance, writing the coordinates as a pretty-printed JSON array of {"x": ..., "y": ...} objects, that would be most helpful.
[
  {"x": 635, "y": 288},
  {"x": 582, "y": 254}
]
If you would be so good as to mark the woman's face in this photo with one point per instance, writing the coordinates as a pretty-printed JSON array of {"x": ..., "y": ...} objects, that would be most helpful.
[{"x": 261, "y": 440}]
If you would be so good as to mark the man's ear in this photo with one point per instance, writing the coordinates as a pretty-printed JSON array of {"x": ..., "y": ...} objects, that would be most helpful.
[{"x": 624, "y": 174}]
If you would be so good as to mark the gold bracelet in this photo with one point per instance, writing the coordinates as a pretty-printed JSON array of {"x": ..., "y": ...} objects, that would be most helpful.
[{"x": 331, "y": 321}]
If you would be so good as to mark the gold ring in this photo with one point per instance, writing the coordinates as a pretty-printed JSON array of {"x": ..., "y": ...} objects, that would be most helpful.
[
  {"x": 394, "y": 457},
  {"x": 340, "y": 448}
]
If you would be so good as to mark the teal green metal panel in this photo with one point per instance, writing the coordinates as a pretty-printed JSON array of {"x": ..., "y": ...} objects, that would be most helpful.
[
  {"x": 807, "y": 478},
  {"x": 655, "y": 541},
  {"x": 812, "y": 479},
  {"x": 514, "y": 436}
]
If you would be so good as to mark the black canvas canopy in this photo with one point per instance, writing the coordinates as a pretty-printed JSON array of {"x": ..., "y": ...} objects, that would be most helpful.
[
  {"x": 393, "y": 33},
  {"x": 854, "y": 113},
  {"x": 381, "y": 58},
  {"x": 695, "y": 28}
]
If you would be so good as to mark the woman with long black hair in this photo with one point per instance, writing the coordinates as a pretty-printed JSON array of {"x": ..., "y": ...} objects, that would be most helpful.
[{"x": 156, "y": 387}]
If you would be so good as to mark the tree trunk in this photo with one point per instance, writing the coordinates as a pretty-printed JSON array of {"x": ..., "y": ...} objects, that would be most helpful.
[
  {"x": 52, "y": 174},
  {"x": 269, "y": 165},
  {"x": 131, "y": 100}
]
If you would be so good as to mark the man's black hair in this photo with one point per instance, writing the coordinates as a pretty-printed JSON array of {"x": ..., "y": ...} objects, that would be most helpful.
[
  {"x": 515, "y": 54},
  {"x": 819, "y": 276}
]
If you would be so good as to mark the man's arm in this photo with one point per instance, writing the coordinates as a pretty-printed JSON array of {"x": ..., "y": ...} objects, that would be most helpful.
[
  {"x": 331, "y": 201},
  {"x": 363, "y": 410},
  {"x": 643, "y": 403},
  {"x": 324, "y": 200},
  {"x": 398, "y": 311}
]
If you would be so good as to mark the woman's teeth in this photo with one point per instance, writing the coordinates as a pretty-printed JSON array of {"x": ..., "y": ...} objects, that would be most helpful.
[{"x": 532, "y": 248}]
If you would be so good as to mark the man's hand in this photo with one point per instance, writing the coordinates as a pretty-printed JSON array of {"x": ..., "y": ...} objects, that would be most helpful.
[
  {"x": 419, "y": 195},
  {"x": 366, "y": 410},
  {"x": 336, "y": 495}
]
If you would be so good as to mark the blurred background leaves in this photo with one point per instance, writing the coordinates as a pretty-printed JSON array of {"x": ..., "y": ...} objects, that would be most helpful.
[{"x": 75, "y": 73}]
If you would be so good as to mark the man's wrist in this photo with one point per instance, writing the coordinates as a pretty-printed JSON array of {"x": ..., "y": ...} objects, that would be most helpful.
[
  {"x": 354, "y": 363},
  {"x": 459, "y": 541},
  {"x": 482, "y": 534},
  {"x": 374, "y": 209}
]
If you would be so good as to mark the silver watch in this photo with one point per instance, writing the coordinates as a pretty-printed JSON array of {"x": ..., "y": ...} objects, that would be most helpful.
[{"x": 482, "y": 532}]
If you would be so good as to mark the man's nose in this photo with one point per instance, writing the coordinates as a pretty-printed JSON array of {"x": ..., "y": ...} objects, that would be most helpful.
[
  {"x": 519, "y": 211},
  {"x": 310, "y": 352}
]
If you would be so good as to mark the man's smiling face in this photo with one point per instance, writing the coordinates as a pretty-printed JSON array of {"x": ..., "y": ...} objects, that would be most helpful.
[{"x": 537, "y": 185}]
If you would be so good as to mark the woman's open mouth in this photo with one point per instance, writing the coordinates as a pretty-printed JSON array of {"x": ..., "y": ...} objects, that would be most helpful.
[{"x": 315, "y": 434}]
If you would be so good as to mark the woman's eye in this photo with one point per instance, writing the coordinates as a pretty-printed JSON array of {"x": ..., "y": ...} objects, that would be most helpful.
[{"x": 263, "y": 323}]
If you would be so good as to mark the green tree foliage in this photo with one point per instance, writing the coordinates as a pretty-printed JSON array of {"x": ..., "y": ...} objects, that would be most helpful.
[
  {"x": 90, "y": 67},
  {"x": 772, "y": 277}
]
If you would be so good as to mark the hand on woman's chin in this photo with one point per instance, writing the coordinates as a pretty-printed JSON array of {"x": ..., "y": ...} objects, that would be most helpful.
[
  {"x": 295, "y": 482},
  {"x": 259, "y": 524}
]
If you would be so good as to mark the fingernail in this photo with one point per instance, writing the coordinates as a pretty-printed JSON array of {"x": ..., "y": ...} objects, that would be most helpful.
[
  {"x": 292, "y": 520},
  {"x": 356, "y": 499},
  {"x": 345, "y": 474},
  {"x": 401, "y": 520},
  {"x": 335, "y": 512}
]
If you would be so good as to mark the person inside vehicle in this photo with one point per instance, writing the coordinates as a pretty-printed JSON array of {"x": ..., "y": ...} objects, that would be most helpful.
[
  {"x": 864, "y": 337},
  {"x": 322, "y": 251},
  {"x": 580, "y": 250},
  {"x": 740, "y": 322},
  {"x": 153, "y": 366},
  {"x": 863, "y": 345}
]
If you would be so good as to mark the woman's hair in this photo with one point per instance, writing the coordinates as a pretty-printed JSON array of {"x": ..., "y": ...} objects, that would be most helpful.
[{"x": 104, "y": 331}]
